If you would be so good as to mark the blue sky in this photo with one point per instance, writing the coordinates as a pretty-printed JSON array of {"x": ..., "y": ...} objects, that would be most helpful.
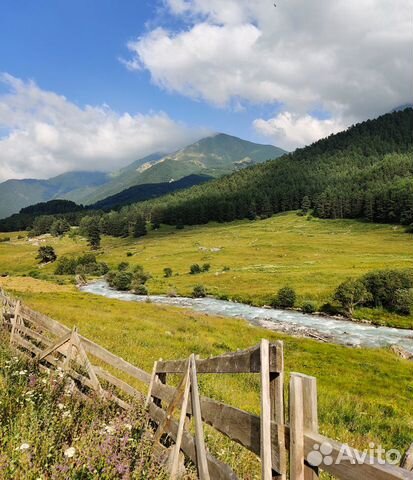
[
  {"x": 99, "y": 83},
  {"x": 73, "y": 48}
]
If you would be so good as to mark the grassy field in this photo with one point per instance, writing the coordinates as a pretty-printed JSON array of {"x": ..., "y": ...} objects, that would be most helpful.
[
  {"x": 364, "y": 395},
  {"x": 311, "y": 256}
]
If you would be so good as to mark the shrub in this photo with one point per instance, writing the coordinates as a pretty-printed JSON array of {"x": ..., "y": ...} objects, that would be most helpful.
[
  {"x": 66, "y": 266},
  {"x": 140, "y": 290},
  {"x": 286, "y": 298},
  {"x": 199, "y": 291},
  {"x": 409, "y": 228},
  {"x": 123, "y": 266},
  {"x": 129, "y": 254},
  {"x": 226, "y": 269},
  {"x": 194, "y": 269},
  {"x": 140, "y": 277},
  {"x": 403, "y": 301},
  {"x": 119, "y": 280},
  {"x": 383, "y": 285},
  {"x": 4, "y": 239},
  {"x": 308, "y": 307},
  {"x": 34, "y": 274},
  {"x": 180, "y": 226},
  {"x": 46, "y": 254},
  {"x": 351, "y": 293},
  {"x": 167, "y": 272},
  {"x": 206, "y": 267},
  {"x": 329, "y": 309}
]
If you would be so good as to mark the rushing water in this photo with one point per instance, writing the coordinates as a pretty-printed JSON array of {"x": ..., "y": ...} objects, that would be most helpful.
[{"x": 338, "y": 331}]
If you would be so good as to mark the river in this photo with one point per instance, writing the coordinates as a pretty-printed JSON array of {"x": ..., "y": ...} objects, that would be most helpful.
[{"x": 337, "y": 331}]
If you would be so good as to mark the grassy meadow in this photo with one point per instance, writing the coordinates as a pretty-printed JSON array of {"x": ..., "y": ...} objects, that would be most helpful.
[
  {"x": 364, "y": 395},
  {"x": 313, "y": 257}
]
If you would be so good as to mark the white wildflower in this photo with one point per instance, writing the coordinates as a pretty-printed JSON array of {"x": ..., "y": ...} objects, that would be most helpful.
[
  {"x": 128, "y": 426},
  {"x": 22, "y": 372},
  {"x": 24, "y": 446},
  {"x": 66, "y": 414},
  {"x": 109, "y": 429},
  {"x": 70, "y": 452},
  {"x": 60, "y": 406}
]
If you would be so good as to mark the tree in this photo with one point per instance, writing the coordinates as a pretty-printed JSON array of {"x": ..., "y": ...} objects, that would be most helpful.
[
  {"x": 140, "y": 227},
  {"x": 90, "y": 228},
  {"x": 199, "y": 291},
  {"x": 286, "y": 298},
  {"x": 305, "y": 204},
  {"x": 59, "y": 227},
  {"x": 46, "y": 254},
  {"x": 194, "y": 269},
  {"x": 351, "y": 293},
  {"x": 167, "y": 272}
]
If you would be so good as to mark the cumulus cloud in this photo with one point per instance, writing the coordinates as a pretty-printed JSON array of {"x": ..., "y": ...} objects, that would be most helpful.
[
  {"x": 289, "y": 130},
  {"x": 46, "y": 134},
  {"x": 351, "y": 58}
]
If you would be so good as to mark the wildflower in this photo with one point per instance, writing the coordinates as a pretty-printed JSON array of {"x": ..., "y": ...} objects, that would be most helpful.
[
  {"x": 22, "y": 372},
  {"x": 128, "y": 426},
  {"x": 66, "y": 414},
  {"x": 24, "y": 446},
  {"x": 60, "y": 406},
  {"x": 109, "y": 429},
  {"x": 70, "y": 452}
]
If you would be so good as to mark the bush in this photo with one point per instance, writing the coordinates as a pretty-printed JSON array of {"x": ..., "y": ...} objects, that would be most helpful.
[
  {"x": 140, "y": 277},
  {"x": 123, "y": 266},
  {"x": 199, "y": 291},
  {"x": 409, "y": 229},
  {"x": 140, "y": 290},
  {"x": 206, "y": 267},
  {"x": 329, "y": 309},
  {"x": 46, "y": 254},
  {"x": 129, "y": 254},
  {"x": 308, "y": 307},
  {"x": 34, "y": 274},
  {"x": 194, "y": 269},
  {"x": 167, "y": 272},
  {"x": 286, "y": 298},
  {"x": 84, "y": 265},
  {"x": 5, "y": 239},
  {"x": 66, "y": 266},
  {"x": 383, "y": 285},
  {"x": 403, "y": 301},
  {"x": 119, "y": 280},
  {"x": 350, "y": 294}
]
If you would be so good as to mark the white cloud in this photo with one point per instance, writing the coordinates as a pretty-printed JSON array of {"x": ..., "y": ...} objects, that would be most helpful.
[
  {"x": 48, "y": 135},
  {"x": 290, "y": 130},
  {"x": 351, "y": 58}
]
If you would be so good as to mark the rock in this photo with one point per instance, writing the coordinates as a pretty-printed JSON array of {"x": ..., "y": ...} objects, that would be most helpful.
[
  {"x": 80, "y": 280},
  {"x": 401, "y": 352}
]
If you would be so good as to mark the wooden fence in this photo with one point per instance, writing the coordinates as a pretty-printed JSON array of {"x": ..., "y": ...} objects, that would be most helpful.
[{"x": 177, "y": 411}]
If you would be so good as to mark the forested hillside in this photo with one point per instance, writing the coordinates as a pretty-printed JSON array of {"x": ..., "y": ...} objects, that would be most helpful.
[{"x": 364, "y": 172}]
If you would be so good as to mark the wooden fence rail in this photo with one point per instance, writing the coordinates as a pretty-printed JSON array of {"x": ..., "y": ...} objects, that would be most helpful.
[{"x": 53, "y": 345}]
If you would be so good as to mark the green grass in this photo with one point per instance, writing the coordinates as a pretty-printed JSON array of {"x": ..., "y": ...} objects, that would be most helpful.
[
  {"x": 311, "y": 256},
  {"x": 365, "y": 395}
]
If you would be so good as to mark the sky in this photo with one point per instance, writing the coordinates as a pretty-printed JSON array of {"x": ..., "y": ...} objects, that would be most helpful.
[{"x": 97, "y": 84}]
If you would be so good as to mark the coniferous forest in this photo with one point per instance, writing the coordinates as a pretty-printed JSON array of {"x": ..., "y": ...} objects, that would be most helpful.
[{"x": 363, "y": 172}]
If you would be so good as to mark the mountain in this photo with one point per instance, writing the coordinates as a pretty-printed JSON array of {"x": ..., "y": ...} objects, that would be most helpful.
[
  {"x": 214, "y": 156},
  {"x": 17, "y": 194},
  {"x": 139, "y": 193},
  {"x": 363, "y": 172}
]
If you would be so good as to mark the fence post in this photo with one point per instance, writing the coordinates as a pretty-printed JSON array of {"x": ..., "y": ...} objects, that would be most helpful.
[
  {"x": 310, "y": 410},
  {"x": 277, "y": 408},
  {"x": 296, "y": 428},
  {"x": 266, "y": 463}
]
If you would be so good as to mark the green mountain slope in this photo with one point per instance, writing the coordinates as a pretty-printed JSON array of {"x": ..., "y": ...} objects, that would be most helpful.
[
  {"x": 139, "y": 193},
  {"x": 363, "y": 172},
  {"x": 17, "y": 194},
  {"x": 214, "y": 156}
]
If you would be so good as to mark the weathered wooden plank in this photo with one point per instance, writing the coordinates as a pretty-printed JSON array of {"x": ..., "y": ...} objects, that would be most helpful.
[
  {"x": 201, "y": 460},
  {"x": 407, "y": 460},
  {"x": 117, "y": 382},
  {"x": 296, "y": 429},
  {"x": 310, "y": 417},
  {"x": 55, "y": 346},
  {"x": 114, "y": 361},
  {"x": 217, "y": 469},
  {"x": 34, "y": 335},
  {"x": 266, "y": 470},
  {"x": 238, "y": 425},
  {"x": 245, "y": 361},
  {"x": 346, "y": 470},
  {"x": 153, "y": 375},
  {"x": 279, "y": 452},
  {"x": 181, "y": 426},
  {"x": 44, "y": 321}
]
